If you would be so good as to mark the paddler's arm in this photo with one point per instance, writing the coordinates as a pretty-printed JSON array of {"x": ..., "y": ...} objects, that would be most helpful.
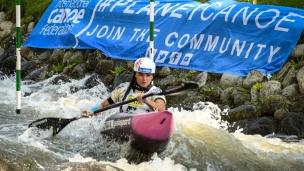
[
  {"x": 89, "y": 113},
  {"x": 114, "y": 97},
  {"x": 158, "y": 104}
]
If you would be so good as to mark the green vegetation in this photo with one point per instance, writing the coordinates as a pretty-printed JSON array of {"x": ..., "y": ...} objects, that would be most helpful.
[
  {"x": 228, "y": 102},
  {"x": 257, "y": 86},
  {"x": 118, "y": 70},
  {"x": 34, "y": 8},
  {"x": 72, "y": 65},
  {"x": 74, "y": 62},
  {"x": 297, "y": 62},
  {"x": 244, "y": 90},
  {"x": 8, "y": 6},
  {"x": 58, "y": 68},
  {"x": 293, "y": 3},
  {"x": 273, "y": 77},
  {"x": 208, "y": 90}
]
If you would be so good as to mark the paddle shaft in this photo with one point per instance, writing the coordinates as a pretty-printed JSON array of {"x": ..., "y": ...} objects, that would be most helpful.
[
  {"x": 59, "y": 123},
  {"x": 172, "y": 91}
]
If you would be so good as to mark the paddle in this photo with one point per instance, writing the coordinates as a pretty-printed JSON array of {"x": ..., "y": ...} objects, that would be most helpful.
[{"x": 59, "y": 123}]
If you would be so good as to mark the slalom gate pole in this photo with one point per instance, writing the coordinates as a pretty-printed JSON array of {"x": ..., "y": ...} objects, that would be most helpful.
[
  {"x": 151, "y": 50},
  {"x": 18, "y": 60}
]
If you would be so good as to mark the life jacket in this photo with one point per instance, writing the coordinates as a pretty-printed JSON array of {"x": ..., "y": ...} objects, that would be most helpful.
[{"x": 136, "y": 107}]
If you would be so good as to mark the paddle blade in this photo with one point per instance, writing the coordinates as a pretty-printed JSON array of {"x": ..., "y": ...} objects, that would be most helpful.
[
  {"x": 183, "y": 88},
  {"x": 56, "y": 123}
]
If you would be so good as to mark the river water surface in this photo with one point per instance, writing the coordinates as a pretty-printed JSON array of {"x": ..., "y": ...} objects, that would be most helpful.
[{"x": 200, "y": 140}]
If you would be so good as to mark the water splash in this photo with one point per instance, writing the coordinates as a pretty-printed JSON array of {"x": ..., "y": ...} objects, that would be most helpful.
[{"x": 200, "y": 140}]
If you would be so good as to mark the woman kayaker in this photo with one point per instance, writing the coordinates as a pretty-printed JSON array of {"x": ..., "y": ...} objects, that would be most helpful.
[{"x": 141, "y": 84}]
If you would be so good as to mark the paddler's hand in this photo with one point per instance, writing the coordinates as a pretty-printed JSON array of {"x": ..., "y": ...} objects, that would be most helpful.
[
  {"x": 86, "y": 113},
  {"x": 140, "y": 98}
]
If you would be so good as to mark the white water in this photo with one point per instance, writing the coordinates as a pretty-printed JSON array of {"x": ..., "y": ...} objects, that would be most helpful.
[{"x": 200, "y": 140}]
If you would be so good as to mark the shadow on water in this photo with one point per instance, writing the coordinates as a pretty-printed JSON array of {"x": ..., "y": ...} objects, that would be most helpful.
[
  {"x": 137, "y": 157},
  {"x": 110, "y": 150},
  {"x": 18, "y": 156}
]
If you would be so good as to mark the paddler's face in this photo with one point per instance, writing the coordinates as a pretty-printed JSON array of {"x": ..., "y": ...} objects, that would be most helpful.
[{"x": 143, "y": 79}]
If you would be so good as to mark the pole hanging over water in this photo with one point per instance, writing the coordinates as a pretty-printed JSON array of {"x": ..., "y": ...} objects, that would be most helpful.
[
  {"x": 18, "y": 60},
  {"x": 151, "y": 50}
]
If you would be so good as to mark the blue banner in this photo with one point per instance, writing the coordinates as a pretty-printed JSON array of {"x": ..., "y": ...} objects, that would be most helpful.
[{"x": 221, "y": 36}]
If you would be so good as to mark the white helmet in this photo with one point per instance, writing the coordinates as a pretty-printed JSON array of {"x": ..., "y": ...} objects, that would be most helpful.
[{"x": 144, "y": 65}]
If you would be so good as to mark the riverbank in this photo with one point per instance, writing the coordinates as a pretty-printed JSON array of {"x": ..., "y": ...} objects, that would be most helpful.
[
  {"x": 257, "y": 103},
  {"x": 200, "y": 140}
]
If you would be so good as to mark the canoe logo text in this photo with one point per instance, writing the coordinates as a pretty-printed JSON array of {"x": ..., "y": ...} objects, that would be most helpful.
[{"x": 113, "y": 123}]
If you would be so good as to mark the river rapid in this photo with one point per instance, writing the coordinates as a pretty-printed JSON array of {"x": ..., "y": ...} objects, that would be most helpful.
[{"x": 200, "y": 141}]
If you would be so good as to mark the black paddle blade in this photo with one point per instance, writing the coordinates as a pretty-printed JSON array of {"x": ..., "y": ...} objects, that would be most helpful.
[
  {"x": 183, "y": 88},
  {"x": 56, "y": 123}
]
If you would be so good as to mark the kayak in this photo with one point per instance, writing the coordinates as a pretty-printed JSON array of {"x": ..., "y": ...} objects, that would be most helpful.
[{"x": 149, "y": 132}]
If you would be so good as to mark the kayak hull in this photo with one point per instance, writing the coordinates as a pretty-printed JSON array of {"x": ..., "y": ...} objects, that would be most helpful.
[{"x": 149, "y": 132}]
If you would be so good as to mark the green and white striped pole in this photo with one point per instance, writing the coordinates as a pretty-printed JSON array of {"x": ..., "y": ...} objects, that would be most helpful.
[
  {"x": 18, "y": 61},
  {"x": 151, "y": 50}
]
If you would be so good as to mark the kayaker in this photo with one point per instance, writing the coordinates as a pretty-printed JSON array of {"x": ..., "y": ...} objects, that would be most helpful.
[{"x": 141, "y": 83}]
